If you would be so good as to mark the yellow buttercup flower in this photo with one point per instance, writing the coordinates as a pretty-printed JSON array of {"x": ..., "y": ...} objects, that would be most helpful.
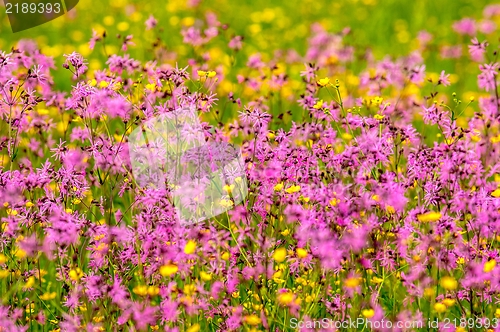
[
  {"x": 448, "y": 283},
  {"x": 168, "y": 270},
  {"x": 323, "y": 82},
  {"x": 193, "y": 328},
  {"x": 439, "y": 307},
  {"x": 368, "y": 313},
  {"x": 390, "y": 209},
  {"x": 293, "y": 189},
  {"x": 301, "y": 253},
  {"x": 29, "y": 283},
  {"x": 103, "y": 84},
  {"x": 278, "y": 187},
  {"x": 48, "y": 296},
  {"x": 76, "y": 274},
  {"x": 496, "y": 193},
  {"x": 190, "y": 247},
  {"x": 319, "y": 104},
  {"x": 151, "y": 87},
  {"x": 429, "y": 216},
  {"x": 205, "y": 276},
  {"x": 225, "y": 256},
  {"x": 153, "y": 290},
  {"x": 489, "y": 266},
  {"x": 334, "y": 201},
  {"x": 352, "y": 282},
  {"x": 285, "y": 298},
  {"x": 141, "y": 290},
  {"x": 448, "y": 302},
  {"x": 252, "y": 320},
  {"x": 279, "y": 255}
]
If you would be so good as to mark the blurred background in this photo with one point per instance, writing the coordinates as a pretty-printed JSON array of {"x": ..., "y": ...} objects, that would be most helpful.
[{"x": 386, "y": 28}]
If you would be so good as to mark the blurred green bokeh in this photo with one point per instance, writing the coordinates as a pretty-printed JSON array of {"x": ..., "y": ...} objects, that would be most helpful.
[{"x": 387, "y": 27}]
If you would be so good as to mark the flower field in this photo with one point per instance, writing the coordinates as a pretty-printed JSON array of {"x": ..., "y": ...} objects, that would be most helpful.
[{"x": 367, "y": 197}]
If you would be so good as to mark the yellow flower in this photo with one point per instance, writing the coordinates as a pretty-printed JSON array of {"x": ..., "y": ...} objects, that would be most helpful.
[
  {"x": 279, "y": 255},
  {"x": 20, "y": 253},
  {"x": 334, "y": 201},
  {"x": 323, "y": 81},
  {"x": 352, "y": 282},
  {"x": 211, "y": 74},
  {"x": 226, "y": 203},
  {"x": 390, "y": 209},
  {"x": 448, "y": 302},
  {"x": 153, "y": 290},
  {"x": 449, "y": 283},
  {"x": 29, "y": 283},
  {"x": 117, "y": 86},
  {"x": 376, "y": 198},
  {"x": 11, "y": 212},
  {"x": 278, "y": 187},
  {"x": 29, "y": 204},
  {"x": 293, "y": 189},
  {"x": 141, "y": 290},
  {"x": 205, "y": 276},
  {"x": 378, "y": 116},
  {"x": 225, "y": 256},
  {"x": 368, "y": 313},
  {"x": 347, "y": 136},
  {"x": 151, "y": 87},
  {"x": 489, "y": 266},
  {"x": 228, "y": 188},
  {"x": 301, "y": 253},
  {"x": 496, "y": 193},
  {"x": 377, "y": 280},
  {"x": 76, "y": 274},
  {"x": 4, "y": 273},
  {"x": 103, "y": 84},
  {"x": 201, "y": 73},
  {"x": 252, "y": 320},
  {"x": 168, "y": 270},
  {"x": 429, "y": 216},
  {"x": 190, "y": 247},
  {"x": 92, "y": 82},
  {"x": 48, "y": 296},
  {"x": 3, "y": 259},
  {"x": 319, "y": 104},
  {"x": 285, "y": 298},
  {"x": 194, "y": 328},
  {"x": 439, "y": 308}
]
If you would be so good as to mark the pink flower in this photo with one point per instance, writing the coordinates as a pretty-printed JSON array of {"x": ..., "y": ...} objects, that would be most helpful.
[
  {"x": 466, "y": 26},
  {"x": 151, "y": 22}
]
